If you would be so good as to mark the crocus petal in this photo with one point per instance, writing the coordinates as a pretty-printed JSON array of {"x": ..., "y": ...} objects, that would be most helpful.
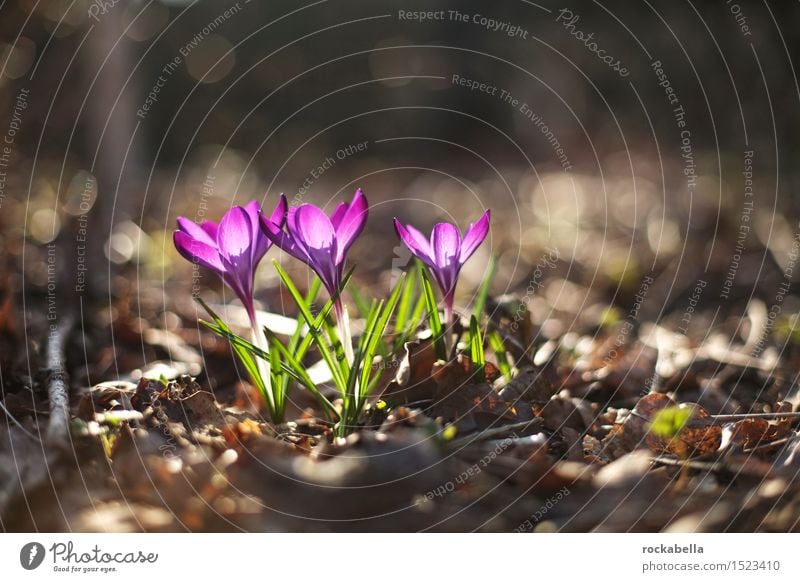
[
  {"x": 313, "y": 232},
  {"x": 338, "y": 214},
  {"x": 260, "y": 243},
  {"x": 198, "y": 252},
  {"x": 211, "y": 228},
  {"x": 281, "y": 239},
  {"x": 195, "y": 231},
  {"x": 277, "y": 218},
  {"x": 235, "y": 234},
  {"x": 473, "y": 237},
  {"x": 235, "y": 240},
  {"x": 446, "y": 244},
  {"x": 310, "y": 227},
  {"x": 350, "y": 225},
  {"x": 279, "y": 214},
  {"x": 415, "y": 241}
]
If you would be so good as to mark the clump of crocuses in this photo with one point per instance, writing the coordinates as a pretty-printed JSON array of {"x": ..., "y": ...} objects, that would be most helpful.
[{"x": 233, "y": 249}]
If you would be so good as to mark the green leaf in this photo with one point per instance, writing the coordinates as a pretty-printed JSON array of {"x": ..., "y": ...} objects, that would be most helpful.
[
  {"x": 301, "y": 349},
  {"x": 668, "y": 422},
  {"x": 433, "y": 316},
  {"x": 363, "y": 379},
  {"x": 404, "y": 308},
  {"x": 293, "y": 368},
  {"x": 309, "y": 299},
  {"x": 337, "y": 346},
  {"x": 500, "y": 354},
  {"x": 314, "y": 329},
  {"x": 376, "y": 336},
  {"x": 352, "y": 397},
  {"x": 281, "y": 359},
  {"x": 476, "y": 350},
  {"x": 483, "y": 292},
  {"x": 296, "y": 337},
  {"x": 362, "y": 305},
  {"x": 278, "y": 384},
  {"x": 246, "y": 357},
  {"x": 416, "y": 317}
]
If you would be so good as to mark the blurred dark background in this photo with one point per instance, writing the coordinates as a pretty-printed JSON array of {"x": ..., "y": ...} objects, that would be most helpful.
[{"x": 137, "y": 112}]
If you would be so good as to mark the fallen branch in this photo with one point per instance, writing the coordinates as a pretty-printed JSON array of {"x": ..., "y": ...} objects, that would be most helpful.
[{"x": 57, "y": 385}]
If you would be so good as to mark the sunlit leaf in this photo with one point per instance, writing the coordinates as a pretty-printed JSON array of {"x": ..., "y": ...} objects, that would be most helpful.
[
  {"x": 433, "y": 316},
  {"x": 476, "y": 349}
]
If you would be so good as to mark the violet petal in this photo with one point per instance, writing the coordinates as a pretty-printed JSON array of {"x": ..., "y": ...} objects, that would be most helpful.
[
  {"x": 416, "y": 242},
  {"x": 282, "y": 239},
  {"x": 195, "y": 231},
  {"x": 473, "y": 237},
  {"x": 194, "y": 250},
  {"x": 211, "y": 228},
  {"x": 259, "y": 243},
  {"x": 313, "y": 232},
  {"x": 350, "y": 225},
  {"x": 446, "y": 245}
]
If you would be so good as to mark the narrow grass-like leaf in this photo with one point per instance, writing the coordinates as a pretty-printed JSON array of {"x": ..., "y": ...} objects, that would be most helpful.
[
  {"x": 377, "y": 332},
  {"x": 313, "y": 330},
  {"x": 337, "y": 346},
  {"x": 406, "y": 299},
  {"x": 351, "y": 404},
  {"x": 416, "y": 318},
  {"x": 297, "y": 336},
  {"x": 433, "y": 316},
  {"x": 310, "y": 297},
  {"x": 278, "y": 384},
  {"x": 301, "y": 349},
  {"x": 362, "y": 305},
  {"x": 405, "y": 324},
  {"x": 476, "y": 350},
  {"x": 500, "y": 354},
  {"x": 297, "y": 371},
  {"x": 362, "y": 379},
  {"x": 483, "y": 292},
  {"x": 366, "y": 353},
  {"x": 247, "y": 359},
  {"x": 281, "y": 359}
]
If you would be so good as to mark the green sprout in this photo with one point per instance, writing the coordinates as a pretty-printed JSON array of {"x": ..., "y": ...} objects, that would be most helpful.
[{"x": 668, "y": 423}]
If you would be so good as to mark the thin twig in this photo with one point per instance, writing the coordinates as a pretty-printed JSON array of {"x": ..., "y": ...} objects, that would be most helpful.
[
  {"x": 700, "y": 465},
  {"x": 719, "y": 418},
  {"x": 17, "y": 423},
  {"x": 761, "y": 446},
  {"x": 745, "y": 416},
  {"x": 57, "y": 384},
  {"x": 715, "y": 466},
  {"x": 493, "y": 432}
]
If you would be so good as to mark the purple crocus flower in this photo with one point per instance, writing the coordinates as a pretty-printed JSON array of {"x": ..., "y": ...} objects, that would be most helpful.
[
  {"x": 445, "y": 253},
  {"x": 232, "y": 249},
  {"x": 321, "y": 241}
]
